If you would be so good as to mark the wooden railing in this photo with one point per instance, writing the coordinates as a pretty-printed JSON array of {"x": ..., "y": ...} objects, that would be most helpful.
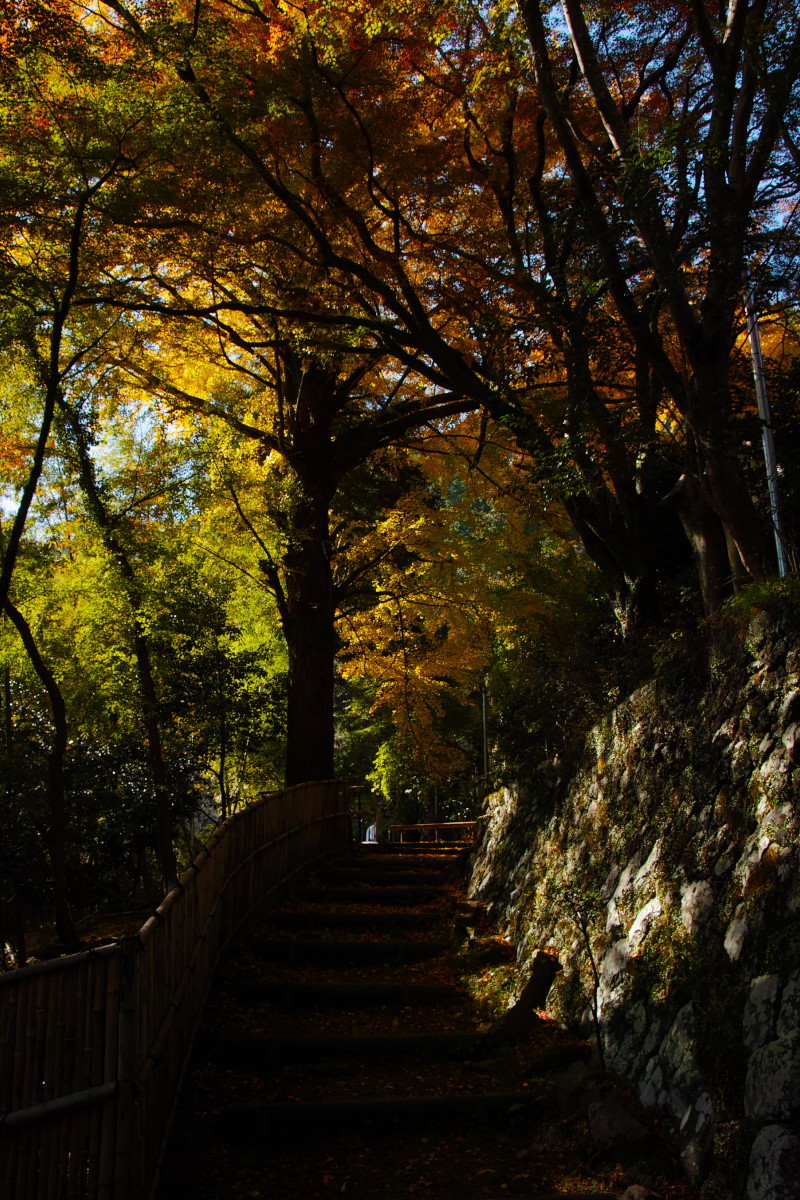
[
  {"x": 93, "y": 1046},
  {"x": 434, "y": 831}
]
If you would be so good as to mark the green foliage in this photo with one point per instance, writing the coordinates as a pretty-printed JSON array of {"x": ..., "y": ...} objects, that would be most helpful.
[
  {"x": 558, "y": 664},
  {"x": 199, "y": 219},
  {"x": 763, "y": 596},
  {"x": 396, "y": 781}
]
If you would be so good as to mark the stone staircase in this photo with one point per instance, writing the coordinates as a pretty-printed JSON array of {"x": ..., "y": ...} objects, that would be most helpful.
[{"x": 342, "y": 1055}]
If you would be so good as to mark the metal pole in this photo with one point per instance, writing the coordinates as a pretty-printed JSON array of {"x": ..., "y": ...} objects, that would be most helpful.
[{"x": 766, "y": 426}]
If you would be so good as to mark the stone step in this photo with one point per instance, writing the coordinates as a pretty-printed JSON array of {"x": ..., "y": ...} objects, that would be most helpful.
[
  {"x": 306, "y": 1118},
  {"x": 376, "y": 861},
  {"x": 340, "y": 950},
  {"x": 366, "y": 895},
  {"x": 452, "y": 850},
  {"x": 370, "y": 874},
  {"x": 359, "y": 993},
  {"x": 356, "y": 920},
  {"x": 270, "y": 1050}
]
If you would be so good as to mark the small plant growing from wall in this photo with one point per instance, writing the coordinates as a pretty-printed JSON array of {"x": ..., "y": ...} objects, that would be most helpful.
[{"x": 582, "y": 907}]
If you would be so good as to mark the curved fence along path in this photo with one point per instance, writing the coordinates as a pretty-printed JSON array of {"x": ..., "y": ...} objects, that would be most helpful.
[{"x": 93, "y": 1046}]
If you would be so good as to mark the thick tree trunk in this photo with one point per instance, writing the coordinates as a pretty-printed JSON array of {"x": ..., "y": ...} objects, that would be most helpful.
[
  {"x": 731, "y": 501},
  {"x": 309, "y": 625},
  {"x": 719, "y": 473},
  {"x": 706, "y": 536}
]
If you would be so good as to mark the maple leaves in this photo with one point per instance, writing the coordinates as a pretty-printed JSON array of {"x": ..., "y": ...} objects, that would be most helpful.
[
  {"x": 426, "y": 639},
  {"x": 301, "y": 245},
  {"x": 465, "y": 588},
  {"x": 28, "y": 26}
]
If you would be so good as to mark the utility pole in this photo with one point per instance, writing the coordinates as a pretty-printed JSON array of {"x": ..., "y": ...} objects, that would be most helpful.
[{"x": 766, "y": 426}]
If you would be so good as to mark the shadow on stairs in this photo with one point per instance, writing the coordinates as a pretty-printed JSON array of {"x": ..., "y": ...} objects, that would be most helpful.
[{"x": 342, "y": 1054}]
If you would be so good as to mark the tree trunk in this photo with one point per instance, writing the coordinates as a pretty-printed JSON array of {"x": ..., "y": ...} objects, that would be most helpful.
[
  {"x": 731, "y": 500},
  {"x": 15, "y": 901},
  {"x": 58, "y": 822},
  {"x": 310, "y": 629},
  {"x": 706, "y": 536},
  {"x": 224, "y": 798},
  {"x": 155, "y": 756},
  {"x": 715, "y": 460}
]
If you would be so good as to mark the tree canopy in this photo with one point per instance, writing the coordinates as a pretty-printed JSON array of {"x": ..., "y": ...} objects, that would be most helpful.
[{"x": 361, "y": 361}]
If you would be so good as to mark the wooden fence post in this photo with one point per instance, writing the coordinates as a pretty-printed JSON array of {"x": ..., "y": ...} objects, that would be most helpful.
[
  {"x": 128, "y": 1054},
  {"x": 105, "y": 1180}
]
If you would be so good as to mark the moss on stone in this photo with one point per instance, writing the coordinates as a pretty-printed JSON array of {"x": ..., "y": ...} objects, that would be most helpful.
[{"x": 694, "y": 761}]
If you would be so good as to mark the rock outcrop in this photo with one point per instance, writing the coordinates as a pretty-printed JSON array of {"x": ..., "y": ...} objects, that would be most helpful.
[{"x": 664, "y": 876}]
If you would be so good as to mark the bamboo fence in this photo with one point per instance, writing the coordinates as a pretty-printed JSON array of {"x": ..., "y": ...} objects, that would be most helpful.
[{"x": 93, "y": 1046}]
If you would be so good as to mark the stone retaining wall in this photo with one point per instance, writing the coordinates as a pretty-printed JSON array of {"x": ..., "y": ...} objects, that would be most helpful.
[{"x": 670, "y": 858}]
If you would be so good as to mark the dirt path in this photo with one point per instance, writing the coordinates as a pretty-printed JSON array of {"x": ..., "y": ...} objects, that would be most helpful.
[{"x": 348, "y": 1049}]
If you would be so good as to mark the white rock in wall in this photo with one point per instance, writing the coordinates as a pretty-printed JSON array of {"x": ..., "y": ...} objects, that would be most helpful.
[
  {"x": 704, "y": 1111},
  {"x": 772, "y": 1088},
  {"x": 758, "y": 1021},
  {"x": 615, "y": 961},
  {"x": 779, "y": 824},
  {"x": 694, "y": 1125},
  {"x": 610, "y": 884},
  {"x": 741, "y": 758},
  {"x": 612, "y": 974},
  {"x": 726, "y": 731},
  {"x": 615, "y": 926},
  {"x": 771, "y": 774},
  {"x": 697, "y": 900},
  {"x": 790, "y": 707},
  {"x": 736, "y": 933},
  {"x": 774, "y": 1165},
  {"x": 749, "y": 859},
  {"x": 643, "y": 921},
  {"x": 627, "y": 876},
  {"x": 791, "y": 740},
  {"x": 647, "y": 868},
  {"x": 766, "y": 744}
]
